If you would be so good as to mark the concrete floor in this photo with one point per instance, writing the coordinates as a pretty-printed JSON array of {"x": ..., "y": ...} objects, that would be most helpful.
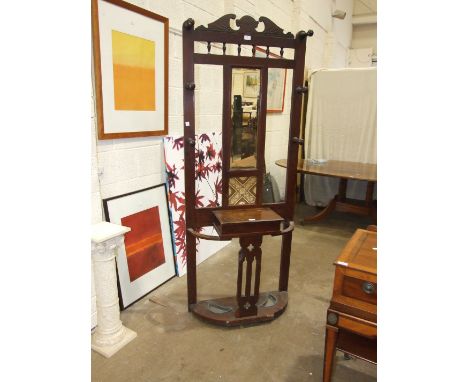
[{"x": 173, "y": 345}]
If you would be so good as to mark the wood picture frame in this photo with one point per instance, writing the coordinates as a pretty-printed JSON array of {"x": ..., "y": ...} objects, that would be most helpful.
[
  {"x": 130, "y": 64},
  {"x": 146, "y": 260},
  {"x": 275, "y": 94}
]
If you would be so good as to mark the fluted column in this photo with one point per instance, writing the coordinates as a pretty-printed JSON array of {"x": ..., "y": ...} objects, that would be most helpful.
[{"x": 110, "y": 335}]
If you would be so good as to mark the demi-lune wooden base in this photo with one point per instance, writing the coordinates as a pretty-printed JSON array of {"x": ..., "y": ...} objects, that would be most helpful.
[{"x": 222, "y": 311}]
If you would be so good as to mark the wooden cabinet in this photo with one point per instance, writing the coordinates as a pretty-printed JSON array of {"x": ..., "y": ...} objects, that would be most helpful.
[{"x": 352, "y": 315}]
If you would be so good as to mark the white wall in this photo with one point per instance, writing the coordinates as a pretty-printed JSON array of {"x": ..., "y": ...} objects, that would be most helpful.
[{"x": 365, "y": 36}]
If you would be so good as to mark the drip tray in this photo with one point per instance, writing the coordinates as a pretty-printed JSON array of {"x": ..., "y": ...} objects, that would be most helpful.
[{"x": 222, "y": 311}]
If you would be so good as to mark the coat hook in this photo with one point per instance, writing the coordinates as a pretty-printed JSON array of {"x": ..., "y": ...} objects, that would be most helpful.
[
  {"x": 191, "y": 141},
  {"x": 189, "y": 86},
  {"x": 302, "y": 89}
]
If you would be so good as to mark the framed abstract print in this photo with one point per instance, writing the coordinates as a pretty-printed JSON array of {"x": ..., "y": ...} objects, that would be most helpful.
[
  {"x": 276, "y": 85},
  {"x": 130, "y": 51},
  {"x": 147, "y": 259}
]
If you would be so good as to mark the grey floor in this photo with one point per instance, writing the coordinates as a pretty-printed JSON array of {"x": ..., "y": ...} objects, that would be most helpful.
[{"x": 173, "y": 345}]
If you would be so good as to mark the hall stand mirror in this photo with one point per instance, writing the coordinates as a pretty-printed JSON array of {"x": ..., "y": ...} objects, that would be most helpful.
[{"x": 242, "y": 214}]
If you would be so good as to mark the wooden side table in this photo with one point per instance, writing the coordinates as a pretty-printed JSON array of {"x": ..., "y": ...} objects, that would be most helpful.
[
  {"x": 344, "y": 171},
  {"x": 352, "y": 315}
]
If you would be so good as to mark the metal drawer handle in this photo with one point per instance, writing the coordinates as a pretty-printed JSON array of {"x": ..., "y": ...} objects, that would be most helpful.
[{"x": 368, "y": 287}]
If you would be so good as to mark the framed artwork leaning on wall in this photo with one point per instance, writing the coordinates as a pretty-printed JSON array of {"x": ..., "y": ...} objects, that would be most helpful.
[
  {"x": 147, "y": 258},
  {"x": 130, "y": 64}
]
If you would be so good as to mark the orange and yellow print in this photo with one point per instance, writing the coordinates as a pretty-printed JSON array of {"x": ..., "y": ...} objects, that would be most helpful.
[{"x": 134, "y": 72}]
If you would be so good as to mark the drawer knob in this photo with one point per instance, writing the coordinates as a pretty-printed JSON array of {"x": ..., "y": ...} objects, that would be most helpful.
[
  {"x": 332, "y": 318},
  {"x": 368, "y": 287}
]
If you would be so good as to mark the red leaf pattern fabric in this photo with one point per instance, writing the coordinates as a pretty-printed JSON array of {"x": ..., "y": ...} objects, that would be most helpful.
[{"x": 208, "y": 184}]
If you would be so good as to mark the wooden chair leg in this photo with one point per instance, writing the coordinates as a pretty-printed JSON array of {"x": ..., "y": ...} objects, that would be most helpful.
[{"x": 331, "y": 337}]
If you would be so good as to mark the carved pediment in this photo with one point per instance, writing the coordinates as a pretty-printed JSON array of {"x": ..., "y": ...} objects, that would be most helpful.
[
  {"x": 272, "y": 29},
  {"x": 220, "y": 25},
  {"x": 247, "y": 25}
]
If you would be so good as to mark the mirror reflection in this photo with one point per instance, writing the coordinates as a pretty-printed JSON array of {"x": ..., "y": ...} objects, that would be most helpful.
[
  {"x": 245, "y": 104},
  {"x": 277, "y": 126}
]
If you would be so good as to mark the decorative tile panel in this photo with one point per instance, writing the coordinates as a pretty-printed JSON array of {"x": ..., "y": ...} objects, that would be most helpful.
[{"x": 242, "y": 190}]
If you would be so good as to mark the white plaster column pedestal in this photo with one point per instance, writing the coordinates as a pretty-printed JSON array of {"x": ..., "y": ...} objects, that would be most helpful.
[{"x": 110, "y": 335}]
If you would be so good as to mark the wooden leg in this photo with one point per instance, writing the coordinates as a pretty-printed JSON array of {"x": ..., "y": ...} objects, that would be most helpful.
[
  {"x": 341, "y": 196},
  {"x": 373, "y": 213},
  {"x": 301, "y": 189},
  {"x": 340, "y": 203},
  {"x": 250, "y": 251},
  {"x": 322, "y": 214},
  {"x": 285, "y": 259},
  {"x": 342, "y": 189},
  {"x": 370, "y": 203},
  {"x": 331, "y": 337},
  {"x": 191, "y": 270},
  {"x": 369, "y": 194}
]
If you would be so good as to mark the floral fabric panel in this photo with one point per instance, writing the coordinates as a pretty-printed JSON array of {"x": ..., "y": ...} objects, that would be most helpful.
[
  {"x": 208, "y": 190},
  {"x": 242, "y": 190}
]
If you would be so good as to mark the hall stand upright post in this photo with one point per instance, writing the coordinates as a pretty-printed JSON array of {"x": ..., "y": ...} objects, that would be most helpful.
[{"x": 247, "y": 220}]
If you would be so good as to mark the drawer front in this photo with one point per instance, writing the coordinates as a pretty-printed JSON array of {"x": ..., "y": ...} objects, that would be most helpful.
[
  {"x": 358, "y": 327},
  {"x": 360, "y": 289}
]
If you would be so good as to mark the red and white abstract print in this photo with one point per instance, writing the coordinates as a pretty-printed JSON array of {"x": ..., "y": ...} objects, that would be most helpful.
[{"x": 208, "y": 190}]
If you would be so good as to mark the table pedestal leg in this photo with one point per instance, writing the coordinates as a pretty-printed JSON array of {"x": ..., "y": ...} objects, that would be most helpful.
[
  {"x": 341, "y": 196},
  {"x": 370, "y": 202},
  {"x": 322, "y": 214},
  {"x": 342, "y": 189},
  {"x": 342, "y": 204},
  {"x": 370, "y": 194}
]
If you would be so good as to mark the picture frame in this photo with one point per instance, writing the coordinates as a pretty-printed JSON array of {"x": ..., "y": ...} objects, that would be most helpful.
[
  {"x": 146, "y": 260},
  {"x": 130, "y": 64},
  {"x": 251, "y": 84},
  {"x": 276, "y": 84}
]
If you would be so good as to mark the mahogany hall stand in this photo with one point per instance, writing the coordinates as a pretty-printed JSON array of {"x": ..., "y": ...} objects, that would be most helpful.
[
  {"x": 248, "y": 221},
  {"x": 352, "y": 315}
]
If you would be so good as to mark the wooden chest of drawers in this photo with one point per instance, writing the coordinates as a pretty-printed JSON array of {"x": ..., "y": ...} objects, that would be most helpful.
[{"x": 352, "y": 315}]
